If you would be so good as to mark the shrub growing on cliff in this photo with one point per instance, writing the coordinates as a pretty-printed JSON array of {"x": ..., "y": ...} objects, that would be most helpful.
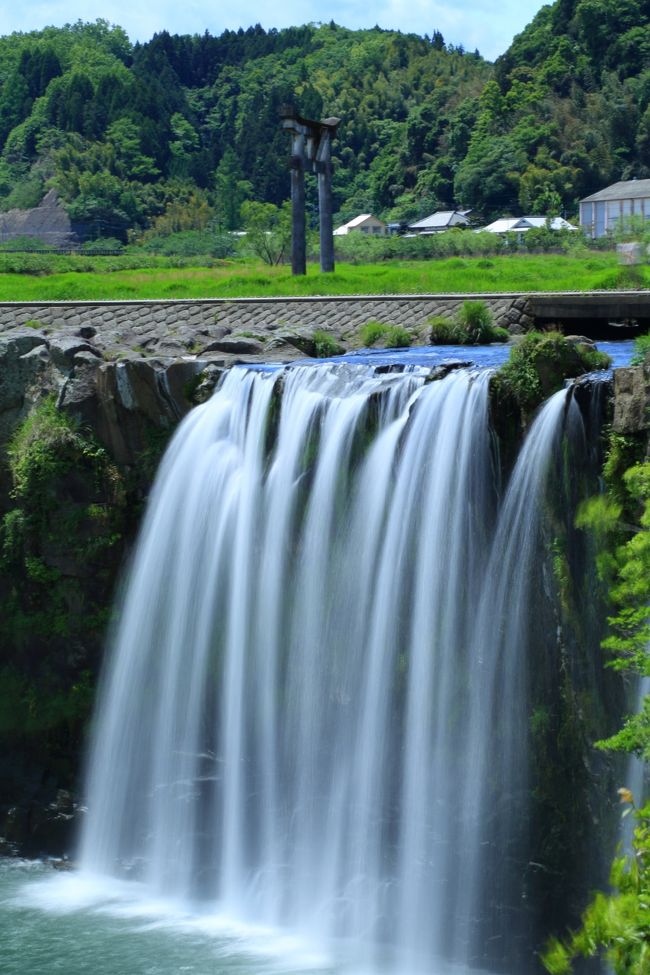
[
  {"x": 627, "y": 567},
  {"x": 48, "y": 444},
  {"x": 617, "y": 924},
  {"x": 539, "y": 365}
]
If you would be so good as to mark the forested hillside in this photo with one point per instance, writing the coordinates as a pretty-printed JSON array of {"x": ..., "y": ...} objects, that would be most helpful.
[{"x": 178, "y": 132}]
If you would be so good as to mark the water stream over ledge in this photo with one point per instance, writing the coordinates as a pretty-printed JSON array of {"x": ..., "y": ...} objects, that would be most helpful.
[{"x": 312, "y": 752}]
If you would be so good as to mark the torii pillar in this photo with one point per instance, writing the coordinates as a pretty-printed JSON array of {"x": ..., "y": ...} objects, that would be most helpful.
[{"x": 311, "y": 143}]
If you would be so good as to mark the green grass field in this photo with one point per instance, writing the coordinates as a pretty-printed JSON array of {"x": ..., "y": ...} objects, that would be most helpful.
[{"x": 54, "y": 279}]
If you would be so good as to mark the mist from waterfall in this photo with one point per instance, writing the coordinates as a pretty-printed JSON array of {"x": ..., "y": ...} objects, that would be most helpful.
[{"x": 316, "y": 709}]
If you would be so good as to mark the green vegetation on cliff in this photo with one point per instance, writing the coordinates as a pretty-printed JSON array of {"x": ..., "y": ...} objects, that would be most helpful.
[
  {"x": 540, "y": 364},
  {"x": 618, "y": 924},
  {"x": 60, "y": 544}
]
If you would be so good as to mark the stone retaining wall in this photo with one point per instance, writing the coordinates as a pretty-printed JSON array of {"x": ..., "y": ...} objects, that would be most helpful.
[{"x": 243, "y": 326}]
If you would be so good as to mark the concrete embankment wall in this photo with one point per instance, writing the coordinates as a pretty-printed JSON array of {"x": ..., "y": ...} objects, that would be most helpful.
[
  {"x": 269, "y": 327},
  {"x": 244, "y": 326}
]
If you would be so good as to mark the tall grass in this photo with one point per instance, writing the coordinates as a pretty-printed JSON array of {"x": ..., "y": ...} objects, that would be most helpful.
[{"x": 45, "y": 278}]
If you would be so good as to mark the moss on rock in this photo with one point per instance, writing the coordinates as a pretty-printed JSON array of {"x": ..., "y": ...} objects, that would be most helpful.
[
  {"x": 540, "y": 364},
  {"x": 61, "y": 543}
]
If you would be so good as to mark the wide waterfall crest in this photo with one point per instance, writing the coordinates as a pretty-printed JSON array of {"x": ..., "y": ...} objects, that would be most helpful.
[{"x": 303, "y": 719}]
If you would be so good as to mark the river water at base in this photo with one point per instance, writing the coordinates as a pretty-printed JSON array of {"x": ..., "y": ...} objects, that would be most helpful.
[{"x": 60, "y": 922}]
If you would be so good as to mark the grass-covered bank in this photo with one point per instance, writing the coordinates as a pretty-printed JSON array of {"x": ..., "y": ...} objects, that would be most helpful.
[{"x": 41, "y": 277}]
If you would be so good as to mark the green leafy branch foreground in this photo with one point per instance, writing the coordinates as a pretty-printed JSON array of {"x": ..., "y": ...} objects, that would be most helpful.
[{"x": 618, "y": 924}]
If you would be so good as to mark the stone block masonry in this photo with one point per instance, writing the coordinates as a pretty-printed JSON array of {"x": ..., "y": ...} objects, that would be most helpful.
[{"x": 244, "y": 329}]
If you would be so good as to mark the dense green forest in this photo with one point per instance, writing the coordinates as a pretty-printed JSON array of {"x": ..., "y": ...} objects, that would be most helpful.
[{"x": 178, "y": 132}]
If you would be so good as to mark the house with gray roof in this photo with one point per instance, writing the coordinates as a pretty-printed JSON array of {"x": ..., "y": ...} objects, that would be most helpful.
[
  {"x": 602, "y": 212},
  {"x": 441, "y": 220},
  {"x": 366, "y": 223},
  {"x": 519, "y": 225}
]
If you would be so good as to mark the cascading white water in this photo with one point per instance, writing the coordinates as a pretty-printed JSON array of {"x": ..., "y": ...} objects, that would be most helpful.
[{"x": 323, "y": 627}]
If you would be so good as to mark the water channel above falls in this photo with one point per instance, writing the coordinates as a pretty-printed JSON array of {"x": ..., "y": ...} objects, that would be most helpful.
[
  {"x": 482, "y": 356},
  {"x": 312, "y": 752}
]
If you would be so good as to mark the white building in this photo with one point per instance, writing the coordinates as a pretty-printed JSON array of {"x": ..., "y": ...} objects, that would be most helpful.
[
  {"x": 519, "y": 225},
  {"x": 601, "y": 212},
  {"x": 365, "y": 223},
  {"x": 439, "y": 221}
]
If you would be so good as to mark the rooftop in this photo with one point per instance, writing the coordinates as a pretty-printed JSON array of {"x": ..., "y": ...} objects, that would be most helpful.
[
  {"x": 440, "y": 219},
  {"x": 519, "y": 224},
  {"x": 626, "y": 189}
]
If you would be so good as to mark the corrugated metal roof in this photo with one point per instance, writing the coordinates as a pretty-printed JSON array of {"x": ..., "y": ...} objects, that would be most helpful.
[
  {"x": 440, "y": 219},
  {"x": 626, "y": 189}
]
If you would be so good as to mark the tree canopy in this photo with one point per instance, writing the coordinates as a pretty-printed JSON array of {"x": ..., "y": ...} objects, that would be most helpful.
[{"x": 425, "y": 125}]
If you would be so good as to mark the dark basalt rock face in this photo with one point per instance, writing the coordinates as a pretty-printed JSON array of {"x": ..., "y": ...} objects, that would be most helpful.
[{"x": 80, "y": 440}]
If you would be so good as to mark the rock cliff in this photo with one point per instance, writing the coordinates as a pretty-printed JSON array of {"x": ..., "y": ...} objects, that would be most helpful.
[{"x": 85, "y": 415}]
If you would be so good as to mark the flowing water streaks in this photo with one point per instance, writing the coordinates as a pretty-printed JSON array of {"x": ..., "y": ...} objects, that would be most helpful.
[{"x": 318, "y": 687}]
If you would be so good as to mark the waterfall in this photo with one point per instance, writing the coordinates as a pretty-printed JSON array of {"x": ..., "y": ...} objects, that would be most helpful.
[
  {"x": 637, "y": 778},
  {"x": 315, "y": 713}
]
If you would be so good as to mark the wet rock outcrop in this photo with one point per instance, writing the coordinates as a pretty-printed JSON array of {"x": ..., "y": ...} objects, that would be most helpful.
[{"x": 632, "y": 399}]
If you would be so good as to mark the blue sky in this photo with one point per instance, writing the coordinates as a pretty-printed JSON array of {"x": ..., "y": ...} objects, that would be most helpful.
[{"x": 480, "y": 24}]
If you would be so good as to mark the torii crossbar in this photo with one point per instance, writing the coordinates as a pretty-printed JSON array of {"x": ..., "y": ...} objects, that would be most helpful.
[{"x": 311, "y": 144}]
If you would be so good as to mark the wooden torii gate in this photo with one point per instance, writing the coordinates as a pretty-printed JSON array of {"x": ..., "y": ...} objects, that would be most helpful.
[{"x": 312, "y": 144}]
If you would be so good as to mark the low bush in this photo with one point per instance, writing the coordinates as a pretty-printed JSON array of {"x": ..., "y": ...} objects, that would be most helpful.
[
  {"x": 500, "y": 334},
  {"x": 397, "y": 337},
  {"x": 191, "y": 243},
  {"x": 472, "y": 325},
  {"x": 389, "y": 336},
  {"x": 372, "y": 332},
  {"x": 444, "y": 331},
  {"x": 325, "y": 345},
  {"x": 476, "y": 320},
  {"x": 641, "y": 350},
  {"x": 101, "y": 245}
]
